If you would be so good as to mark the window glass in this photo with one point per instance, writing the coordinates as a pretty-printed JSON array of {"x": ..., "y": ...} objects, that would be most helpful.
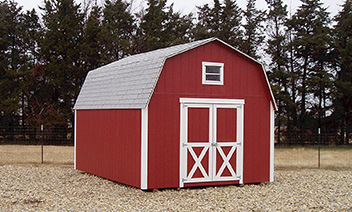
[
  {"x": 213, "y": 69},
  {"x": 213, "y": 77},
  {"x": 213, "y": 73}
]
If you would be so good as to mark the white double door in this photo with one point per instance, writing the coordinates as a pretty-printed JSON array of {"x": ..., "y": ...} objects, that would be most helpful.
[{"x": 211, "y": 140}]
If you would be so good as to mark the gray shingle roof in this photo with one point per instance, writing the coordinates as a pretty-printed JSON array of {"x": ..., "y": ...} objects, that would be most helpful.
[{"x": 130, "y": 82}]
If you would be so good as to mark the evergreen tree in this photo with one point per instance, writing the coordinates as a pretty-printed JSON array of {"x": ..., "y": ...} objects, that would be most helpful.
[
  {"x": 18, "y": 32},
  {"x": 253, "y": 35},
  {"x": 310, "y": 29},
  {"x": 231, "y": 28},
  {"x": 279, "y": 75},
  {"x": 60, "y": 52},
  {"x": 160, "y": 27},
  {"x": 117, "y": 28},
  {"x": 32, "y": 33},
  {"x": 202, "y": 29},
  {"x": 343, "y": 48},
  {"x": 92, "y": 46},
  {"x": 177, "y": 27},
  {"x": 222, "y": 21},
  {"x": 153, "y": 26},
  {"x": 10, "y": 60}
]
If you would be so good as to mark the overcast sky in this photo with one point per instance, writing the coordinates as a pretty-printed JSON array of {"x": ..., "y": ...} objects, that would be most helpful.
[{"x": 187, "y": 6}]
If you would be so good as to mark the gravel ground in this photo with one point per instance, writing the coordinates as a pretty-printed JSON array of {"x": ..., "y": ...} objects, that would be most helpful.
[{"x": 45, "y": 188}]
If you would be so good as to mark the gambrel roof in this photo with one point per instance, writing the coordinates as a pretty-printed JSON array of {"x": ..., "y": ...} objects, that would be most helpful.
[{"x": 129, "y": 83}]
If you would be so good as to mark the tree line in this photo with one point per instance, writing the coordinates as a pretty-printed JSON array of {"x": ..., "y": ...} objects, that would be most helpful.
[{"x": 45, "y": 58}]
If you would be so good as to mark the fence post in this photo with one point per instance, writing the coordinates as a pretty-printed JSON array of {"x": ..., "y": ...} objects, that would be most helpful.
[
  {"x": 42, "y": 129},
  {"x": 319, "y": 148}
]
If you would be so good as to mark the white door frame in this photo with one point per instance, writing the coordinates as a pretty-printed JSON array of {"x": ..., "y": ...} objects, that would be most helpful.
[{"x": 212, "y": 145}]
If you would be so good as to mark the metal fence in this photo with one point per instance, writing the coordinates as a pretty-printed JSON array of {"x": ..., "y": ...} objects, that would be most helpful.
[
  {"x": 310, "y": 138},
  {"x": 334, "y": 157},
  {"x": 29, "y": 135},
  {"x": 288, "y": 154},
  {"x": 312, "y": 149}
]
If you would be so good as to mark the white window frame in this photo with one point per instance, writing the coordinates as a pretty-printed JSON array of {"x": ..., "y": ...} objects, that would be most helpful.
[{"x": 211, "y": 82}]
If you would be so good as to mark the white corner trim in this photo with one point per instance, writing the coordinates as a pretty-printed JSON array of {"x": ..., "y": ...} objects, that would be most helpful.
[
  {"x": 74, "y": 139},
  {"x": 272, "y": 137},
  {"x": 144, "y": 149}
]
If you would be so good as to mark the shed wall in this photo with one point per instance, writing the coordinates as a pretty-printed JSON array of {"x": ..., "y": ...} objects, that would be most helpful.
[
  {"x": 108, "y": 144},
  {"x": 182, "y": 77}
]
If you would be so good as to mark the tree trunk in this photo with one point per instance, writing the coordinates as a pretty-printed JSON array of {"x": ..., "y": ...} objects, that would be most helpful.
[
  {"x": 347, "y": 130},
  {"x": 342, "y": 133},
  {"x": 303, "y": 101},
  {"x": 293, "y": 110}
]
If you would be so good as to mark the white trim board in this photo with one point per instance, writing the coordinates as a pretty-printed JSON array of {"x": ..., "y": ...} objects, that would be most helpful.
[
  {"x": 183, "y": 136},
  {"x": 272, "y": 133},
  {"x": 144, "y": 148},
  {"x": 74, "y": 140},
  {"x": 212, "y": 101},
  {"x": 270, "y": 90}
]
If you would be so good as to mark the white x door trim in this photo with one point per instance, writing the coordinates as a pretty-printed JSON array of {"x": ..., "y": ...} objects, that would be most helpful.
[{"x": 212, "y": 146}]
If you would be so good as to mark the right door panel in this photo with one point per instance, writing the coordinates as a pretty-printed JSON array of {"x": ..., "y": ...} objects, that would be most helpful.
[{"x": 228, "y": 142}]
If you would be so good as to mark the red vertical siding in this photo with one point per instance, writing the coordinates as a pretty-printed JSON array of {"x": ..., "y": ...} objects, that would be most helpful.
[
  {"x": 182, "y": 77},
  {"x": 108, "y": 144}
]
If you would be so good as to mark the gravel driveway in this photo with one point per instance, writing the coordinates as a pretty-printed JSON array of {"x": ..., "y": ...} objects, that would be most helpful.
[{"x": 30, "y": 188}]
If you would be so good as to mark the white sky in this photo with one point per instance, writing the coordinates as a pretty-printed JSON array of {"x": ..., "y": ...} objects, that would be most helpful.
[{"x": 187, "y": 6}]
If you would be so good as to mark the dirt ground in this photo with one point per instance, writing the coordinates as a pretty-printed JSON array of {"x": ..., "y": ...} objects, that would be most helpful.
[
  {"x": 52, "y": 188},
  {"x": 27, "y": 185},
  {"x": 285, "y": 158}
]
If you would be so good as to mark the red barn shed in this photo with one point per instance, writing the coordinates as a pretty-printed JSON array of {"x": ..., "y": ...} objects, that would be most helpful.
[{"x": 195, "y": 114}]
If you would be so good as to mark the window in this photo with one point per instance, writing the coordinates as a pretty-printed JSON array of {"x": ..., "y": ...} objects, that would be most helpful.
[{"x": 213, "y": 73}]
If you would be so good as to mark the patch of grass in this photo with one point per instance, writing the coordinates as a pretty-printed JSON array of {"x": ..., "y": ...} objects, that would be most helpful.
[
  {"x": 338, "y": 147},
  {"x": 31, "y": 155}
]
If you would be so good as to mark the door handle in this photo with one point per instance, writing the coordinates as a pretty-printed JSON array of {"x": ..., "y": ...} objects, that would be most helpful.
[{"x": 214, "y": 144}]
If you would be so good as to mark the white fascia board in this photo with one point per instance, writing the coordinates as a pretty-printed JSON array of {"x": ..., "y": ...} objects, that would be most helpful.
[
  {"x": 244, "y": 54},
  {"x": 211, "y": 101},
  {"x": 144, "y": 148},
  {"x": 271, "y": 91}
]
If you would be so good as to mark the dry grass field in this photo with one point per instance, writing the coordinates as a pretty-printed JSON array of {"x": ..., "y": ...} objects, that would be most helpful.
[
  {"x": 21, "y": 154},
  {"x": 300, "y": 157},
  {"x": 285, "y": 158}
]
